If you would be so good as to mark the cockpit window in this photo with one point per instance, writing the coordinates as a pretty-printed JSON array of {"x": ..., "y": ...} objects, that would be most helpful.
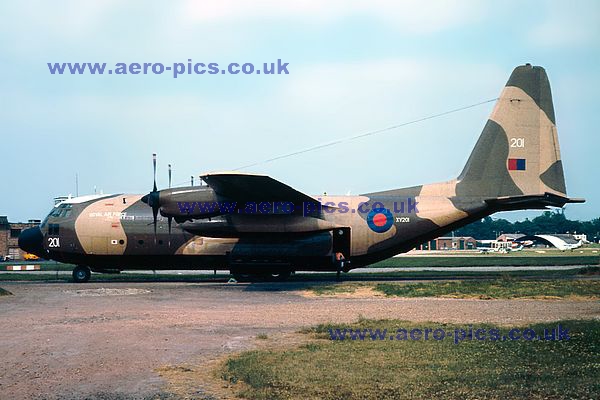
[
  {"x": 53, "y": 229},
  {"x": 62, "y": 211}
]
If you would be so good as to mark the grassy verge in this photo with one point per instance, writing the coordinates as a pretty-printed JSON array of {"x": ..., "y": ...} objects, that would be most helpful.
[
  {"x": 483, "y": 260},
  {"x": 496, "y": 289},
  {"x": 326, "y": 369},
  {"x": 505, "y": 286}
]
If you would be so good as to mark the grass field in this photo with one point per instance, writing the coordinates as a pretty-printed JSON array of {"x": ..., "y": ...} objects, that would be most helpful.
[
  {"x": 503, "y": 288},
  {"x": 328, "y": 369},
  {"x": 496, "y": 289},
  {"x": 486, "y": 260}
]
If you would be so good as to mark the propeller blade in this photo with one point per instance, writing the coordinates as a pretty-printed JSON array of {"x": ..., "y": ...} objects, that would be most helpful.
[
  {"x": 152, "y": 198},
  {"x": 155, "y": 215},
  {"x": 169, "y": 221},
  {"x": 192, "y": 180},
  {"x": 154, "y": 165},
  {"x": 169, "y": 176}
]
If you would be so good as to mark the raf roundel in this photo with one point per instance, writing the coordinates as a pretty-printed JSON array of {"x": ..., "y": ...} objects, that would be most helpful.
[{"x": 380, "y": 220}]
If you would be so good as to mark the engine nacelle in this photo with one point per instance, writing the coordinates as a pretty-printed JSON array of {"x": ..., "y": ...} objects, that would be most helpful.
[
  {"x": 240, "y": 225},
  {"x": 190, "y": 202}
]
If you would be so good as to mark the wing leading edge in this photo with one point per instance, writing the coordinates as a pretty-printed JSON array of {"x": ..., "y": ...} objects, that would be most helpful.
[{"x": 254, "y": 188}]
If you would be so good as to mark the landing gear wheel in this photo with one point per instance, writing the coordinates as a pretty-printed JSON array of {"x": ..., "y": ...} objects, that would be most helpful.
[
  {"x": 81, "y": 274},
  {"x": 280, "y": 276}
]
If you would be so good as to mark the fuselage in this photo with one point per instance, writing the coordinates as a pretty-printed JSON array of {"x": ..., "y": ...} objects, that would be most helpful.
[
  {"x": 117, "y": 232},
  {"x": 515, "y": 165}
]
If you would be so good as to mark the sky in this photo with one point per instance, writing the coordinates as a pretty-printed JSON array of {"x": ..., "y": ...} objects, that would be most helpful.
[{"x": 354, "y": 67}]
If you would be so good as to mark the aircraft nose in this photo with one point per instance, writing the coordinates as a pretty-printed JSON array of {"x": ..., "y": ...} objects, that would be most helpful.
[{"x": 31, "y": 241}]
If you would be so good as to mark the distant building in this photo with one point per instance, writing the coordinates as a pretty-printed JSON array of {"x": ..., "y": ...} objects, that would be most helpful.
[
  {"x": 450, "y": 243},
  {"x": 9, "y": 237},
  {"x": 510, "y": 237},
  {"x": 561, "y": 241}
]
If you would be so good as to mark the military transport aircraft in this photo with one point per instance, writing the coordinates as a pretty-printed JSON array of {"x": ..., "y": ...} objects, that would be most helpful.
[{"x": 255, "y": 225}]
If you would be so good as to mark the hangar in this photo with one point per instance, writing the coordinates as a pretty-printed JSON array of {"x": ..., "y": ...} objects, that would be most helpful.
[
  {"x": 560, "y": 241},
  {"x": 450, "y": 243}
]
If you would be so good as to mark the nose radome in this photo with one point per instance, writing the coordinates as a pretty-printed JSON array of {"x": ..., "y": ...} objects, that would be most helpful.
[{"x": 31, "y": 241}]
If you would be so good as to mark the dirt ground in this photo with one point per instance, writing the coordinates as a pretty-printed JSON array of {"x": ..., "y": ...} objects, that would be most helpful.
[{"x": 122, "y": 340}]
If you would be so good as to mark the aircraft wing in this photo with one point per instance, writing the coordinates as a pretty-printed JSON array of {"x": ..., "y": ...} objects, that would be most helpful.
[{"x": 243, "y": 187}]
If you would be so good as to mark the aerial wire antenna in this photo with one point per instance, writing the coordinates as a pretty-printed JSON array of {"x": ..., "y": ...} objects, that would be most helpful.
[
  {"x": 359, "y": 136},
  {"x": 366, "y": 134}
]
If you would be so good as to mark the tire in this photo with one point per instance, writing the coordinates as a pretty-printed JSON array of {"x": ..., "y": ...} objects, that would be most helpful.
[
  {"x": 263, "y": 277},
  {"x": 81, "y": 274},
  {"x": 280, "y": 277}
]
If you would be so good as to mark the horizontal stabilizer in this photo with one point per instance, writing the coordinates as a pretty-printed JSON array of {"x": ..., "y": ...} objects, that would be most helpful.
[{"x": 531, "y": 201}]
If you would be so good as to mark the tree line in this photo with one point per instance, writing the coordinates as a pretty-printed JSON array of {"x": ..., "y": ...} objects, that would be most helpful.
[{"x": 549, "y": 222}]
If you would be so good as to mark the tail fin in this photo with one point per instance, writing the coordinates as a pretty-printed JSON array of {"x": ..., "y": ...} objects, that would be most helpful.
[{"x": 517, "y": 153}]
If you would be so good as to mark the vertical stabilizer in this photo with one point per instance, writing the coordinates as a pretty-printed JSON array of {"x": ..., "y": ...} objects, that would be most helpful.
[{"x": 517, "y": 152}]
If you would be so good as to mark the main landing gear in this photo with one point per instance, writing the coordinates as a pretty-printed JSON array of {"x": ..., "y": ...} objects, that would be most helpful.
[
  {"x": 81, "y": 274},
  {"x": 281, "y": 276}
]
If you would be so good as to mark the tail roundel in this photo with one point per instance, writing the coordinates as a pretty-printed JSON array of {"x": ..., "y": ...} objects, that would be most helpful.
[{"x": 517, "y": 153}]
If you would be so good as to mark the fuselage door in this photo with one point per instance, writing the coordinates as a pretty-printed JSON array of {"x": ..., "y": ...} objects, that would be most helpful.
[{"x": 342, "y": 242}]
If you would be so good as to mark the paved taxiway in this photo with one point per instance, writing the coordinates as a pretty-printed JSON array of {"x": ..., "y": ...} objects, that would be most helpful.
[{"x": 106, "y": 340}]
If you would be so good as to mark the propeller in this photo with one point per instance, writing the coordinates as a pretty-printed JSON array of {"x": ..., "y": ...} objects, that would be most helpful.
[
  {"x": 152, "y": 198},
  {"x": 192, "y": 179}
]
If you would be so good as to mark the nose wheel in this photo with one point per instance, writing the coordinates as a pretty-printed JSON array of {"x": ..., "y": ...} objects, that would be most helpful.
[{"x": 81, "y": 274}]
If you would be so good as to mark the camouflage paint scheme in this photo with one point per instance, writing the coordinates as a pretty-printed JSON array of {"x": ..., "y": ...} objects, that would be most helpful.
[{"x": 117, "y": 232}]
